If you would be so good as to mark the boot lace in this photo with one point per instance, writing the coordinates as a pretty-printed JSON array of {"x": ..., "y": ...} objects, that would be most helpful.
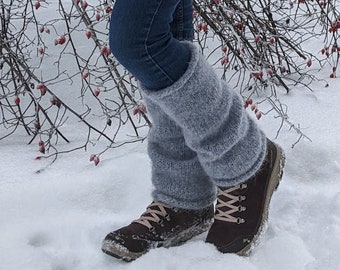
[
  {"x": 226, "y": 208},
  {"x": 156, "y": 212}
]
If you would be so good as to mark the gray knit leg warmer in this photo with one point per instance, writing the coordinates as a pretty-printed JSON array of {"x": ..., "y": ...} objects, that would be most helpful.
[
  {"x": 177, "y": 175},
  {"x": 228, "y": 143}
]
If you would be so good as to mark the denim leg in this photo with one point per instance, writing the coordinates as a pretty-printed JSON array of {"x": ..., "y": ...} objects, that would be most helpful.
[
  {"x": 141, "y": 39},
  {"x": 182, "y": 26}
]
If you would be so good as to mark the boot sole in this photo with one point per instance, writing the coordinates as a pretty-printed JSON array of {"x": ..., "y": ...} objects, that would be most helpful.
[
  {"x": 120, "y": 252},
  {"x": 273, "y": 184}
]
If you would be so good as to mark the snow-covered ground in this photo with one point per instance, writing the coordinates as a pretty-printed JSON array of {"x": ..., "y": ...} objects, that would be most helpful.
[{"x": 56, "y": 219}]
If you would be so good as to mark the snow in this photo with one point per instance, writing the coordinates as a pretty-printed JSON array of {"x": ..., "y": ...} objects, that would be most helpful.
[{"x": 56, "y": 219}]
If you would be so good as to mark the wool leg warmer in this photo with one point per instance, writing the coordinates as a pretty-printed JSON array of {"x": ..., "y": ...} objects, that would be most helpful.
[
  {"x": 177, "y": 175},
  {"x": 228, "y": 143}
]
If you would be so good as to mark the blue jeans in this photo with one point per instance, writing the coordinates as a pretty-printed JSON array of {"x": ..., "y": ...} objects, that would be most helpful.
[{"x": 145, "y": 38}]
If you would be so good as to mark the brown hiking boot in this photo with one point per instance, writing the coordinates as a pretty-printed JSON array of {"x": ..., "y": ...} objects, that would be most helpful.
[
  {"x": 242, "y": 210},
  {"x": 159, "y": 226}
]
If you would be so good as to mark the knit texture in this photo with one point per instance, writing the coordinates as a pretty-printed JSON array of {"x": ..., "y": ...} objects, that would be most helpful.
[
  {"x": 228, "y": 143},
  {"x": 178, "y": 178}
]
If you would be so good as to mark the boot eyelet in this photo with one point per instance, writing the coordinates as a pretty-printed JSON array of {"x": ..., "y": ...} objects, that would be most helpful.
[
  {"x": 241, "y": 208},
  {"x": 240, "y": 220},
  {"x": 241, "y": 198},
  {"x": 161, "y": 223},
  {"x": 243, "y": 186}
]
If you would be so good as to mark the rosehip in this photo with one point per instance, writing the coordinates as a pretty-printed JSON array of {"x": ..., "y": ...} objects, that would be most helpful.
[
  {"x": 135, "y": 110},
  {"x": 142, "y": 108},
  {"x": 92, "y": 157},
  {"x": 42, "y": 149},
  {"x": 96, "y": 92},
  {"x": 96, "y": 160},
  {"x": 224, "y": 60},
  {"x": 204, "y": 27},
  {"x": 85, "y": 4},
  {"x": 17, "y": 100},
  {"x": 40, "y": 143},
  {"x": 309, "y": 63},
  {"x": 283, "y": 69},
  {"x": 258, "y": 115},
  {"x": 61, "y": 40},
  {"x": 257, "y": 38},
  {"x": 224, "y": 49},
  {"x": 270, "y": 72},
  {"x": 105, "y": 50},
  {"x": 41, "y": 50},
  {"x": 272, "y": 40},
  {"x": 98, "y": 17},
  {"x": 85, "y": 75},
  {"x": 108, "y": 10},
  {"x": 37, "y": 5},
  {"x": 89, "y": 34}
]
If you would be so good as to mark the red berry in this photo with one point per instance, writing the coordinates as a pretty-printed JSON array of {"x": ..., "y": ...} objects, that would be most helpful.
[
  {"x": 17, "y": 100},
  {"x": 108, "y": 9},
  {"x": 85, "y": 4},
  {"x": 85, "y": 75},
  {"x": 258, "y": 115},
  {"x": 42, "y": 149},
  {"x": 309, "y": 62},
  {"x": 332, "y": 75},
  {"x": 224, "y": 60},
  {"x": 96, "y": 92},
  {"x": 41, "y": 143},
  {"x": 88, "y": 33},
  {"x": 224, "y": 49},
  {"x": 105, "y": 50},
  {"x": 283, "y": 69},
  {"x": 270, "y": 72},
  {"x": 257, "y": 38},
  {"x": 142, "y": 107},
  {"x": 135, "y": 110},
  {"x": 239, "y": 26},
  {"x": 272, "y": 40},
  {"x": 37, "y": 5},
  {"x": 41, "y": 50},
  {"x": 98, "y": 17},
  {"x": 61, "y": 40},
  {"x": 204, "y": 27},
  {"x": 92, "y": 157},
  {"x": 96, "y": 160}
]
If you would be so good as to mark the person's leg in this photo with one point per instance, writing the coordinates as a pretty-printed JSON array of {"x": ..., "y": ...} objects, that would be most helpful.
[
  {"x": 142, "y": 41},
  {"x": 178, "y": 178},
  {"x": 231, "y": 148}
]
